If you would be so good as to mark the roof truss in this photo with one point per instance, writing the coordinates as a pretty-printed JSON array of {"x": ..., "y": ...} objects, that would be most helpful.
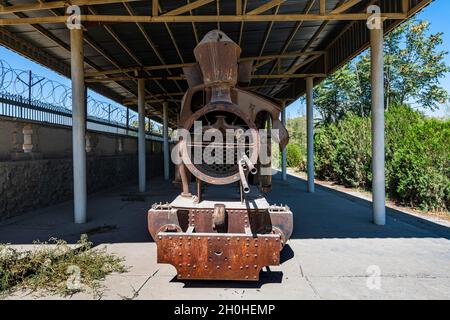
[
  {"x": 187, "y": 7},
  {"x": 274, "y": 74},
  {"x": 111, "y": 19}
]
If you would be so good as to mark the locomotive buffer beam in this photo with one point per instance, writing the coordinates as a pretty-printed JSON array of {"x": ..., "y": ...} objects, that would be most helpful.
[
  {"x": 213, "y": 256},
  {"x": 219, "y": 241}
]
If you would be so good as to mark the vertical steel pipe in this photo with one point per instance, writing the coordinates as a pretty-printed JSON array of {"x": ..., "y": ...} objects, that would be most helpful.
[
  {"x": 166, "y": 140},
  {"x": 283, "y": 152},
  {"x": 141, "y": 134},
  {"x": 78, "y": 125},
  {"x": 378, "y": 148},
  {"x": 310, "y": 132}
]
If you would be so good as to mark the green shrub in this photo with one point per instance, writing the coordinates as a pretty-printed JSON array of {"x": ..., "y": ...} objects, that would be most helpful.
[
  {"x": 293, "y": 156},
  {"x": 420, "y": 167},
  {"x": 417, "y": 156},
  {"x": 343, "y": 151}
]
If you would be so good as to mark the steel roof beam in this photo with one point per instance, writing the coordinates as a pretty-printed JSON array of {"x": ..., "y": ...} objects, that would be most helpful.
[
  {"x": 116, "y": 19},
  {"x": 256, "y": 76},
  {"x": 267, "y": 6},
  {"x": 127, "y": 50},
  {"x": 55, "y": 5},
  {"x": 182, "y": 65},
  {"x": 187, "y": 7}
]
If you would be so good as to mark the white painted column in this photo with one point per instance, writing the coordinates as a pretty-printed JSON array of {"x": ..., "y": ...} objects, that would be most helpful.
[
  {"x": 78, "y": 126},
  {"x": 141, "y": 134},
  {"x": 166, "y": 140},
  {"x": 310, "y": 132},
  {"x": 283, "y": 153},
  {"x": 378, "y": 149}
]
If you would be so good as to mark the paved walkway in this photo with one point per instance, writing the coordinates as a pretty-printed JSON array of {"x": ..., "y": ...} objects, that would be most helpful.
[{"x": 335, "y": 252}]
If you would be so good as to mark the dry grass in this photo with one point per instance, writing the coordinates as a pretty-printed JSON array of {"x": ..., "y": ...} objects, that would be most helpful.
[{"x": 56, "y": 268}]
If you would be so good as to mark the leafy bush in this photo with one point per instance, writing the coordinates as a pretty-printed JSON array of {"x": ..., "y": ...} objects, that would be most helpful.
[
  {"x": 420, "y": 166},
  {"x": 343, "y": 151},
  {"x": 293, "y": 155},
  {"x": 417, "y": 156}
]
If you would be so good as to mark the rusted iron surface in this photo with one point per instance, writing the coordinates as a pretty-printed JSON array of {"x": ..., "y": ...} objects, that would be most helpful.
[
  {"x": 217, "y": 237},
  {"x": 218, "y": 257},
  {"x": 228, "y": 220}
]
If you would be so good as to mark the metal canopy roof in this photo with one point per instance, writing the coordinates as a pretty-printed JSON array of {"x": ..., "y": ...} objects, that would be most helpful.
[{"x": 289, "y": 40}]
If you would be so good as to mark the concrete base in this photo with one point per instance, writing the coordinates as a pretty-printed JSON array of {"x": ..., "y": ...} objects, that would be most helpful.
[{"x": 336, "y": 252}]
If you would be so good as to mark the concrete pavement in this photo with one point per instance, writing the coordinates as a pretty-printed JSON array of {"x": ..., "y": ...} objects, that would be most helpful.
[{"x": 335, "y": 252}]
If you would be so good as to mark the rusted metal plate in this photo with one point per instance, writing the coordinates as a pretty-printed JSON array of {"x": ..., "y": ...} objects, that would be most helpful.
[
  {"x": 218, "y": 257},
  {"x": 201, "y": 219}
]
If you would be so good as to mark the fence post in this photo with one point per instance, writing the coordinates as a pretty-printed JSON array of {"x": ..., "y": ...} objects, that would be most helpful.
[{"x": 30, "y": 85}]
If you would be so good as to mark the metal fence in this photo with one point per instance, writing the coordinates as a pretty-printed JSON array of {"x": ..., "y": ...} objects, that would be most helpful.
[{"x": 26, "y": 95}]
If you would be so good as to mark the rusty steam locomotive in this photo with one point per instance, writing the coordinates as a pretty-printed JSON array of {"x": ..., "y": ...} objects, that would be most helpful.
[{"x": 221, "y": 227}]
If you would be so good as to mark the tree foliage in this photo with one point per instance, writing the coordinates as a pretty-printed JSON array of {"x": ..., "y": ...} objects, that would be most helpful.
[
  {"x": 414, "y": 65},
  {"x": 417, "y": 147}
]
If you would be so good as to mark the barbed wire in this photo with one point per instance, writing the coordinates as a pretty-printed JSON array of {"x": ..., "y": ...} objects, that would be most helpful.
[{"x": 50, "y": 94}]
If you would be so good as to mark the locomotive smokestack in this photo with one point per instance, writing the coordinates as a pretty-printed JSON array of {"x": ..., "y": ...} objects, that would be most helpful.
[{"x": 218, "y": 58}]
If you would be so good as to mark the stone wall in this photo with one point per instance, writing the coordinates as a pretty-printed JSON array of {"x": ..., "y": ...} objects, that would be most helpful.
[{"x": 44, "y": 176}]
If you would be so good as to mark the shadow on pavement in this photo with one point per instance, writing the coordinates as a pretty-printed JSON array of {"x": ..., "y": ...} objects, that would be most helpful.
[
  {"x": 264, "y": 278},
  {"x": 120, "y": 216},
  {"x": 329, "y": 213}
]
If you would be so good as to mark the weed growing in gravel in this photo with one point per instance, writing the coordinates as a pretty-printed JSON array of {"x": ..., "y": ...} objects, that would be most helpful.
[{"x": 54, "y": 267}]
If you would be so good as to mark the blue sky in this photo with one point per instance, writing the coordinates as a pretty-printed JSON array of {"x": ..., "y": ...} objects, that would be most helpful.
[{"x": 437, "y": 12}]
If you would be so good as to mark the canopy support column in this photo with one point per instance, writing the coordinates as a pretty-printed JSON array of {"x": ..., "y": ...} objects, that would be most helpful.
[
  {"x": 378, "y": 148},
  {"x": 78, "y": 126},
  {"x": 166, "y": 140},
  {"x": 141, "y": 134},
  {"x": 283, "y": 153},
  {"x": 310, "y": 132}
]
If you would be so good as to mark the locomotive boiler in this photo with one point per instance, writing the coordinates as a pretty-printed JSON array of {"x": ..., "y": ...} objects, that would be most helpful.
[{"x": 221, "y": 226}]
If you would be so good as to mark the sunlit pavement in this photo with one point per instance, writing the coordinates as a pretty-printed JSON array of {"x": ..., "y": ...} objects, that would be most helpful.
[{"x": 335, "y": 252}]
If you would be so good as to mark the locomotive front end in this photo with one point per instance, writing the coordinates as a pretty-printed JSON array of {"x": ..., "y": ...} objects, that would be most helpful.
[{"x": 221, "y": 226}]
